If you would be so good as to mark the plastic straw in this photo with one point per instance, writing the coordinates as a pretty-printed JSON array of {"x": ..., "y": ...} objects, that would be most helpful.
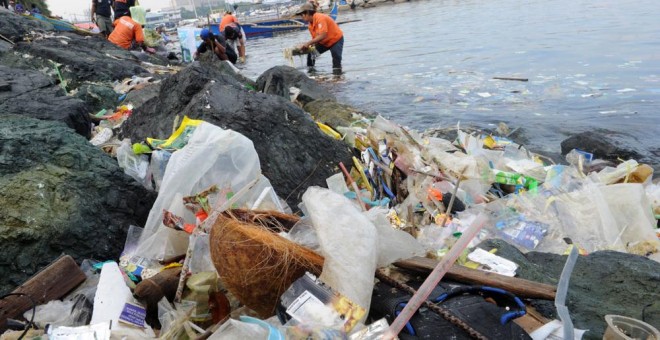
[
  {"x": 354, "y": 186},
  {"x": 436, "y": 275}
]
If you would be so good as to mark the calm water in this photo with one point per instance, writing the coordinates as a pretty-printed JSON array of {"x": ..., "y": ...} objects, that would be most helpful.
[{"x": 430, "y": 63}]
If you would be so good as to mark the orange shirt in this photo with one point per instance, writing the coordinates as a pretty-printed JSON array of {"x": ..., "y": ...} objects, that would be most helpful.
[
  {"x": 323, "y": 23},
  {"x": 226, "y": 20},
  {"x": 126, "y": 30}
]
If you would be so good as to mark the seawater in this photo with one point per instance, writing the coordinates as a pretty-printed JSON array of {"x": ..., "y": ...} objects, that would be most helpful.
[{"x": 431, "y": 63}]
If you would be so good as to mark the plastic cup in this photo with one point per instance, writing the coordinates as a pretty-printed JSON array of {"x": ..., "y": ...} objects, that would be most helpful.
[{"x": 625, "y": 328}]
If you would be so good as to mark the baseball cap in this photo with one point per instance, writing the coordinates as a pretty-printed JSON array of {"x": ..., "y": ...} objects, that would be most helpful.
[
  {"x": 205, "y": 34},
  {"x": 304, "y": 8}
]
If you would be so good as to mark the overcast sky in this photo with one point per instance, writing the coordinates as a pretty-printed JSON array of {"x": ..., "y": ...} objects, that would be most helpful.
[{"x": 68, "y": 8}]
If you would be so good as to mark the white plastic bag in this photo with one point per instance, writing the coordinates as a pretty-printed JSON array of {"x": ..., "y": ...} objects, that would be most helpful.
[
  {"x": 212, "y": 156},
  {"x": 393, "y": 244},
  {"x": 349, "y": 243}
]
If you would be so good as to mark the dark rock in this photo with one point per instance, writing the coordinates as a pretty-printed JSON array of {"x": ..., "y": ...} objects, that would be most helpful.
[
  {"x": 603, "y": 144},
  {"x": 60, "y": 194},
  {"x": 33, "y": 94},
  {"x": 14, "y": 27},
  {"x": 98, "y": 97},
  {"x": 335, "y": 114},
  {"x": 279, "y": 79},
  {"x": 139, "y": 97},
  {"x": 82, "y": 59},
  {"x": 603, "y": 282},
  {"x": 294, "y": 154}
]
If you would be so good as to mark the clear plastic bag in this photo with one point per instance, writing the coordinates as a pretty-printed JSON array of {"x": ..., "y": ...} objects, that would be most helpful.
[
  {"x": 349, "y": 243},
  {"x": 136, "y": 166},
  {"x": 212, "y": 156}
]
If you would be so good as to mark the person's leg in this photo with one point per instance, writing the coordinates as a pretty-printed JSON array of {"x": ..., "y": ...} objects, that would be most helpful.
[
  {"x": 5, "y": 3},
  {"x": 311, "y": 57},
  {"x": 336, "y": 50}
]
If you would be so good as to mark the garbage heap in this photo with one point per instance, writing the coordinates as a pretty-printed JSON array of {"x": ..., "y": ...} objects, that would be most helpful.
[{"x": 415, "y": 220}]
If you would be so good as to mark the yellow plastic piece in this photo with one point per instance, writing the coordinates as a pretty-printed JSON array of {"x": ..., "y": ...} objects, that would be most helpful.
[
  {"x": 358, "y": 166},
  {"x": 329, "y": 131},
  {"x": 186, "y": 127}
]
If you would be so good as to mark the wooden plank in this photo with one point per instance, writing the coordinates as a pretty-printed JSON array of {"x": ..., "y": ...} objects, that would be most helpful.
[
  {"x": 53, "y": 282},
  {"x": 520, "y": 287}
]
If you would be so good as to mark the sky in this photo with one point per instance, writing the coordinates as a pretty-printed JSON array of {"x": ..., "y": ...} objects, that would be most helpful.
[{"x": 70, "y": 8}]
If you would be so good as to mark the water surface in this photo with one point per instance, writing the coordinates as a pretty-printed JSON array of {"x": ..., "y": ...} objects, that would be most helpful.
[{"x": 431, "y": 63}]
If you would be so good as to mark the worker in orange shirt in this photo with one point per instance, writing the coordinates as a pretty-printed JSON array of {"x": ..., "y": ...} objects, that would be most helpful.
[
  {"x": 128, "y": 33},
  {"x": 326, "y": 35},
  {"x": 235, "y": 35}
]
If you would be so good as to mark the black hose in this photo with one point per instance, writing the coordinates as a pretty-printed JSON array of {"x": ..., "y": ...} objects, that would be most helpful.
[{"x": 34, "y": 311}]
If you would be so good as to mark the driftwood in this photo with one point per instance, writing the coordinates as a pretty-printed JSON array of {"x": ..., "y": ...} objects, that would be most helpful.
[
  {"x": 520, "y": 287},
  {"x": 511, "y": 78},
  {"x": 53, "y": 282}
]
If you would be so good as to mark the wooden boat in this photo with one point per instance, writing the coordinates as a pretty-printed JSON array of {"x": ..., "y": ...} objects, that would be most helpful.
[{"x": 269, "y": 28}]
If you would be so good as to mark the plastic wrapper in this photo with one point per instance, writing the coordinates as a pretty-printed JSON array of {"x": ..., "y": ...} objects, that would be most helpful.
[
  {"x": 159, "y": 160},
  {"x": 136, "y": 166},
  {"x": 201, "y": 256},
  {"x": 337, "y": 183},
  {"x": 393, "y": 244},
  {"x": 313, "y": 304},
  {"x": 55, "y": 313},
  {"x": 349, "y": 243},
  {"x": 200, "y": 286},
  {"x": 235, "y": 329},
  {"x": 304, "y": 234},
  {"x": 172, "y": 319},
  {"x": 211, "y": 156},
  {"x": 375, "y": 331}
]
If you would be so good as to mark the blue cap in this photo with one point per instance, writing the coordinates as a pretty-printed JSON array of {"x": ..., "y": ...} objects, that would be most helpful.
[{"x": 205, "y": 34}]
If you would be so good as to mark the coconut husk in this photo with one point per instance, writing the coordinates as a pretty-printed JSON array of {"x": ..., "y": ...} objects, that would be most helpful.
[
  {"x": 273, "y": 220},
  {"x": 256, "y": 264}
]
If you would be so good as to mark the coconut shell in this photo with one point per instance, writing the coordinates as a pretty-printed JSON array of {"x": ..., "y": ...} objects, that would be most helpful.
[{"x": 257, "y": 265}]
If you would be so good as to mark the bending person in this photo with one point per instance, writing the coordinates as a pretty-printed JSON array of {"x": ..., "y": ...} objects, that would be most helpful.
[
  {"x": 236, "y": 38},
  {"x": 128, "y": 34},
  {"x": 326, "y": 35},
  {"x": 216, "y": 44}
]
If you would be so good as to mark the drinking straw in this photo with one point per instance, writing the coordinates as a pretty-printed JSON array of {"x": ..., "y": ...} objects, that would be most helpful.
[{"x": 354, "y": 186}]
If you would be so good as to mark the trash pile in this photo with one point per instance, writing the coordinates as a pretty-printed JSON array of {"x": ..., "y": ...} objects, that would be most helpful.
[{"x": 223, "y": 256}]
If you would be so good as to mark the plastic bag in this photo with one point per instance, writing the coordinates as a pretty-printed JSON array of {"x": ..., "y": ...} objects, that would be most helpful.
[
  {"x": 159, "y": 160},
  {"x": 393, "y": 244},
  {"x": 212, "y": 156},
  {"x": 136, "y": 166},
  {"x": 349, "y": 242},
  {"x": 234, "y": 329}
]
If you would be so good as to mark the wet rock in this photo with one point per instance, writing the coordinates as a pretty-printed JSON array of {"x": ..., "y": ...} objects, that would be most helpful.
[
  {"x": 59, "y": 194},
  {"x": 294, "y": 154},
  {"x": 139, "y": 97},
  {"x": 335, "y": 114},
  {"x": 279, "y": 79},
  {"x": 33, "y": 94},
  {"x": 603, "y": 282},
  {"x": 14, "y": 27},
  {"x": 98, "y": 97},
  {"x": 82, "y": 59},
  {"x": 603, "y": 144}
]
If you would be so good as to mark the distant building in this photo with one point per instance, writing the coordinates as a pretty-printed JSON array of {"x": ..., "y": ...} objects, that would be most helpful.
[
  {"x": 166, "y": 16},
  {"x": 188, "y": 4}
]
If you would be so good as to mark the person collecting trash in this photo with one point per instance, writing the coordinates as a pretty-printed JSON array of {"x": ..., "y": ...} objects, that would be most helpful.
[
  {"x": 128, "y": 34},
  {"x": 217, "y": 44},
  {"x": 236, "y": 38},
  {"x": 326, "y": 35}
]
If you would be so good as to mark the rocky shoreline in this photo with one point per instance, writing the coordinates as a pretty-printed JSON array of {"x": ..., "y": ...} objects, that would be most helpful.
[{"x": 60, "y": 194}]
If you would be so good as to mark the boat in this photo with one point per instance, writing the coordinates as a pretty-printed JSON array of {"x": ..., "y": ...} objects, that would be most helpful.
[
  {"x": 61, "y": 25},
  {"x": 268, "y": 28}
]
